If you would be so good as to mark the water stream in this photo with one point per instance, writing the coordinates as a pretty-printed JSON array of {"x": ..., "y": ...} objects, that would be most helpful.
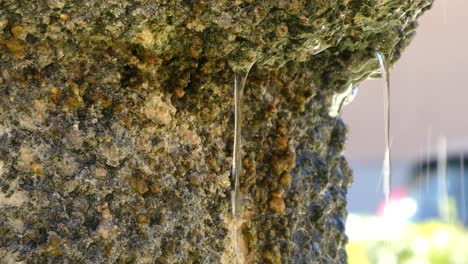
[
  {"x": 236, "y": 161},
  {"x": 236, "y": 199},
  {"x": 444, "y": 204},
  {"x": 428, "y": 159},
  {"x": 387, "y": 165},
  {"x": 462, "y": 184}
]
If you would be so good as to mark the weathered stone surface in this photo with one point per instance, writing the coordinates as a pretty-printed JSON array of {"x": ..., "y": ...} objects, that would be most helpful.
[{"x": 116, "y": 126}]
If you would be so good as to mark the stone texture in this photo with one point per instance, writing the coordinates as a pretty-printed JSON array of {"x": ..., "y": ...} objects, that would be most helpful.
[{"x": 116, "y": 126}]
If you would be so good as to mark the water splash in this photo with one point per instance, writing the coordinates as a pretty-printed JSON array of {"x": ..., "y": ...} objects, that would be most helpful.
[
  {"x": 341, "y": 99},
  {"x": 236, "y": 200},
  {"x": 387, "y": 164}
]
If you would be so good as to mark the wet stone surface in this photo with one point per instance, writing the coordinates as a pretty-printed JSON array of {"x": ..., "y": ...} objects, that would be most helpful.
[{"x": 116, "y": 126}]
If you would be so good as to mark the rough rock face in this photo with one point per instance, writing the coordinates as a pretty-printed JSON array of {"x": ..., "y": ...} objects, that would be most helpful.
[{"x": 116, "y": 126}]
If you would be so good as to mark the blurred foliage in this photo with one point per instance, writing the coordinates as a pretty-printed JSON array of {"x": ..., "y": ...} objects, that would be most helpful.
[{"x": 419, "y": 243}]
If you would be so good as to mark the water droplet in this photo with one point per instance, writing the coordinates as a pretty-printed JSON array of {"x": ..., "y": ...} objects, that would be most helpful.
[
  {"x": 316, "y": 46},
  {"x": 319, "y": 48},
  {"x": 341, "y": 99}
]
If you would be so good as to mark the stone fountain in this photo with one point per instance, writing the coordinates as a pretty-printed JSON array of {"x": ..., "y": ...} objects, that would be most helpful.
[{"x": 117, "y": 126}]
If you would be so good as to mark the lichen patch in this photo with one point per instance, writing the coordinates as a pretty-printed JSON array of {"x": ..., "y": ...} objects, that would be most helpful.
[
  {"x": 16, "y": 199},
  {"x": 2, "y": 170},
  {"x": 25, "y": 159},
  {"x": 158, "y": 110},
  {"x": 145, "y": 38},
  {"x": 189, "y": 136}
]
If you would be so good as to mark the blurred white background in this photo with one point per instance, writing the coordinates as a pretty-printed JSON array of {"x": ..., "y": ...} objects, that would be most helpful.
[{"x": 429, "y": 98}]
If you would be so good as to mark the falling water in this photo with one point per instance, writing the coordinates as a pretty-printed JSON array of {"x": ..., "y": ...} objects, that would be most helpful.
[
  {"x": 444, "y": 11},
  {"x": 236, "y": 161},
  {"x": 462, "y": 185},
  {"x": 421, "y": 178},
  {"x": 428, "y": 158},
  {"x": 444, "y": 206},
  {"x": 387, "y": 159},
  {"x": 236, "y": 206}
]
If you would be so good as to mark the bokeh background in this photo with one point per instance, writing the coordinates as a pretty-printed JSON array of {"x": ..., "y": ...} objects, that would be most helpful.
[
  {"x": 427, "y": 222},
  {"x": 429, "y": 99}
]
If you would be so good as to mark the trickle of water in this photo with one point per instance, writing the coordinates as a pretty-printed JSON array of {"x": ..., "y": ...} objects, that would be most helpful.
[
  {"x": 236, "y": 162},
  {"x": 421, "y": 178},
  {"x": 341, "y": 99},
  {"x": 387, "y": 164},
  {"x": 237, "y": 147},
  {"x": 444, "y": 204},
  {"x": 444, "y": 11},
  {"x": 236, "y": 206},
  {"x": 428, "y": 157},
  {"x": 462, "y": 184}
]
